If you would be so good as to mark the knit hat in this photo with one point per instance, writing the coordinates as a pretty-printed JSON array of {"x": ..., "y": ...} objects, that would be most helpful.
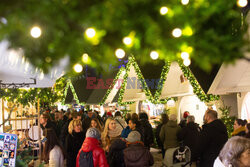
[
  {"x": 94, "y": 133},
  {"x": 109, "y": 113},
  {"x": 133, "y": 136},
  {"x": 185, "y": 114}
]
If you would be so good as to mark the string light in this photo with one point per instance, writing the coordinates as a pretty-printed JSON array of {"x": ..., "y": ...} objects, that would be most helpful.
[
  {"x": 90, "y": 32},
  {"x": 163, "y": 10},
  {"x": 184, "y": 55},
  {"x": 242, "y": 3},
  {"x": 85, "y": 58},
  {"x": 184, "y": 2},
  {"x": 127, "y": 41},
  {"x": 120, "y": 53},
  {"x": 154, "y": 55},
  {"x": 35, "y": 32},
  {"x": 78, "y": 68},
  {"x": 176, "y": 32},
  {"x": 186, "y": 62}
]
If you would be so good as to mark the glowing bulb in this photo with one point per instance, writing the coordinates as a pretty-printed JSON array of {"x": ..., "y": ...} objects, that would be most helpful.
[
  {"x": 171, "y": 103},
  {"x": 177, "y": 32},
  {"x": 119, "y": 53},
  {"x": 85, "y": 57},
  {"x": 127, "y": 41},
  {"x": 90, "y": 32},
  {"x": 184, "y": 2},
  {"x": 242, "y": 3},
  {"x": 187, "y": 62},
  {"x": 164, "y": 10},
  {"x": 184, "y": 55},
  {"x": 154, "y": 55},
  {"x": 78, "y": 68},
  {"x": 35, "y": 32}
]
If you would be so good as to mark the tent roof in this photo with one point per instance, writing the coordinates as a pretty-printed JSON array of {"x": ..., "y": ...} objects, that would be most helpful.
[
  {"x": 232, "y": 78},
  {"x": 85, "y": 94},
  {"x": 15, "y": 69}
]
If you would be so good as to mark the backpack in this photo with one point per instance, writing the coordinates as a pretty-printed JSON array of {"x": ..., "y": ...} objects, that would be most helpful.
[{"x": 86, "y": 159}]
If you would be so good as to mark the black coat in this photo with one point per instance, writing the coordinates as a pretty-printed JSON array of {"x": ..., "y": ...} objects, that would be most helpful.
[
  {"x": 115, "y": 156},
  {"x": 157, "y": 135},
  {"x": 212, "y": 139},
  {"x": 73, "y": 145},
  {"x": 190, "y": 137},
  {"x": 146, "y": 130},
  {"x": 64, "y": 133}
]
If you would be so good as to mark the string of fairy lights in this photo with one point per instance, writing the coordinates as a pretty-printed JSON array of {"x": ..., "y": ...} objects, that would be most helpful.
[{"x": 93, "y": 35}]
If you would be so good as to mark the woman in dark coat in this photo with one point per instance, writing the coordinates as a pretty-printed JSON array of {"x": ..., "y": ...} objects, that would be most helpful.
[
  {"x": 147, "y": 131},
  {"x": 74, "y": 141},
  {"x": 115, "y": 155},
  {"x": 190, "y": 137}
]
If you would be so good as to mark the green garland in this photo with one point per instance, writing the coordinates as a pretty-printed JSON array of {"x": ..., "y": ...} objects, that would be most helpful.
[
  {"x": 70, "y": 85},
  {"x": 29, "y": 96},
  {"x": 196, "y": 86},
  {"x": 163, "y": 78},
  {"x": 131, "y": 61},
  {"x": 112, "y": 85}
]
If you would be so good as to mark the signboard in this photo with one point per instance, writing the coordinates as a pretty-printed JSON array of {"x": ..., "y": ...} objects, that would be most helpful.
[{"x": 8, "y": 147}]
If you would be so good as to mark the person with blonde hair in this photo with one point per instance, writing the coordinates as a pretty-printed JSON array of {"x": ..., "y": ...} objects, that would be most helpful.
[
  {"x": 235, "y": 153},
  {"x": 109, "y": 134},
  {"x": 74, "y": 141}
]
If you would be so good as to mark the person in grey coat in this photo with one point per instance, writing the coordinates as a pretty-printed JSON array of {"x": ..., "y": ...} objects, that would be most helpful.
[{"x": 168, "y": 133}]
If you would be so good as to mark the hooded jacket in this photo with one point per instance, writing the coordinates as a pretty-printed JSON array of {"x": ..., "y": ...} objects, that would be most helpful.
[
  {"x": 92, "y": 144},
  {"x": 212, "y": 139},
  {"x": 168, "y": 134},
  {"x": 136, "y": 155}
]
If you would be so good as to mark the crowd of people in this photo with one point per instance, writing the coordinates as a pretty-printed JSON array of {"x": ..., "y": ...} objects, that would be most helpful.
[{"x": 86, "y": 139}]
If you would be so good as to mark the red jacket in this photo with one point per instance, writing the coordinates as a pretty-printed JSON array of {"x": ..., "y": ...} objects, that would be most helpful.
[{"x": 92, "y": 144}]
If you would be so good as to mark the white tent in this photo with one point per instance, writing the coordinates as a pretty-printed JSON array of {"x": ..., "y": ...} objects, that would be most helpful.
[
  {"x": 15, "y": 69},
  {"x": 127, "y": 85}
]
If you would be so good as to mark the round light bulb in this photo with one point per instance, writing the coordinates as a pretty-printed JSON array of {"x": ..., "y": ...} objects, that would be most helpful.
[
  {"x": 85, "y": 57},
  {"x": 90, "y": 32},
  {"x": 35, "y": 32},
  {"x": 184, "y": 2},
  {"x": 127, "y": 40},
  {"x": 163, "y": 10},
  {"x": 120, "y": 53},
  {"x": 78, "y": 68},
  {"x": 242, "y": 3},
  {"x": 154, "y": 55},
  {"x": 176, "y": 32},
  {"x": 184, "y": 55},
  {"x": 187, "y": 62}
]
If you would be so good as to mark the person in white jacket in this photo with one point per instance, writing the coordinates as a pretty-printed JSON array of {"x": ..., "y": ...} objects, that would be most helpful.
[
  {"x": 235, "y": 153},
  {"x": 53, "y": 154}
]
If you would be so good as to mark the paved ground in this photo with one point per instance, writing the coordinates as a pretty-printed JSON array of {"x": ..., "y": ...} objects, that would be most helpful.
[{"x": 157, "y": 157}]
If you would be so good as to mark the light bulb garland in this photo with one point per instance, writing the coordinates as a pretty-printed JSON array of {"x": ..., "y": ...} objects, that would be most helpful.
[
  {"x": 161, "y": 82},
  {"x": 196, "y": 86},
  {"x": 29, "y": 96}
]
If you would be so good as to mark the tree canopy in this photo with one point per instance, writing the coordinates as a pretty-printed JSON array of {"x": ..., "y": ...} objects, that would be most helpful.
[{"x": 212, "y": 31}]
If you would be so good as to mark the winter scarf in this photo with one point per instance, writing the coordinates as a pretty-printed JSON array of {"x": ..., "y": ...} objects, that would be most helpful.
[{"x": 236, "y": 131}]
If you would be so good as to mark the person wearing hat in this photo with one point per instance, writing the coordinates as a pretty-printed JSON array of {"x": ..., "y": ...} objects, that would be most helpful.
[
  {"x": 136, "y": 155},
  {"x": 92, "y": 144}
]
